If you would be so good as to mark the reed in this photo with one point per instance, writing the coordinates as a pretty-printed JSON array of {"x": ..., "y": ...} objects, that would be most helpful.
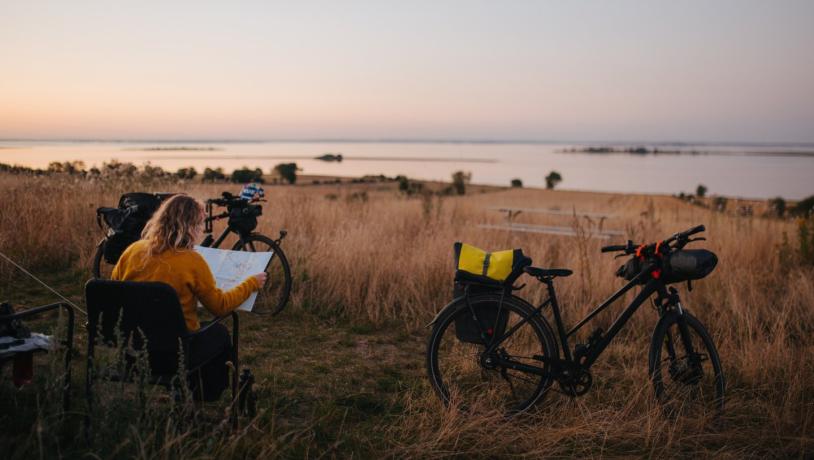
[{"x": 385, "y": 260}]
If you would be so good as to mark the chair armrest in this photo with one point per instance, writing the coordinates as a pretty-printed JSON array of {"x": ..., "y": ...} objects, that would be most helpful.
[{"x": 39, "y": 310}]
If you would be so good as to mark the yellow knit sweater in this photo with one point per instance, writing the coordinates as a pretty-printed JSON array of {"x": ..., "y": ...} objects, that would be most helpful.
[{"x": 187, "y": 272}]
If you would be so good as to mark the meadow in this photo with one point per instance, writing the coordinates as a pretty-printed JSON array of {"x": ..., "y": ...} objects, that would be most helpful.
[{"x": 341, "y": 373}]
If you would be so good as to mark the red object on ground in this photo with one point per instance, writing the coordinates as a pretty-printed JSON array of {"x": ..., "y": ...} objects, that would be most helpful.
[{"x": 23, "y": 369}]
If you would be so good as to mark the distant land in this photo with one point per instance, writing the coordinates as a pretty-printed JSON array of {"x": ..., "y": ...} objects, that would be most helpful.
[{"x": 639, "y": 150}]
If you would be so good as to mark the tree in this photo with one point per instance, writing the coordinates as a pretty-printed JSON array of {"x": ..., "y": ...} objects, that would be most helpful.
[
  {"x": 287, "y": 171},
  {"x": 719, "y": 203},
  {"x": 245, "y": 175},
  {"x": 517, "y": 183},
  {"x": 212, "y": 175},
  {"x": 186, "y": 173},
  {"x": 777, "y": 206},
  {"x": 459, "y": 181},
  {"x": 804, "y": 208},
  {"x": 552, "y": 179},
  {"x": 701, "y": 190}
]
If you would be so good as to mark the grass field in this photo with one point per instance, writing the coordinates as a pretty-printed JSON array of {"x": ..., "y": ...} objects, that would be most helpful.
[{"x": 341, "y": 371}]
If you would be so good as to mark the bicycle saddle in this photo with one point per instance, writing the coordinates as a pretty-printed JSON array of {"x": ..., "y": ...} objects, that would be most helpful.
[{"x": 538, "y": 272}]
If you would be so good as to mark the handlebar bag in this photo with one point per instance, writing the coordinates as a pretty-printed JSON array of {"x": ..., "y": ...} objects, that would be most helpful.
[
  {"x": 243, "y": 218},
  {"x": 689, "y": 264},
  {"x": 483, "y": 271}
]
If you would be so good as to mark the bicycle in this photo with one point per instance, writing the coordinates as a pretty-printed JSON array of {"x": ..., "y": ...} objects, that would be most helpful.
[
  {"x": 242, "y": 216},
  {"x": 513, "y": 359}
]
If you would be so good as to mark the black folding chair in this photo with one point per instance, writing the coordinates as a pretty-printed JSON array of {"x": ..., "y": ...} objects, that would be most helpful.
[
  {"x": 149, "y": 315},
  {"x": 36, "y": 311}
]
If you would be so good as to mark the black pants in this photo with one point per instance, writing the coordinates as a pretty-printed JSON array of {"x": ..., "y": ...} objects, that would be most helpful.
[{"x": 208, "y": 354}]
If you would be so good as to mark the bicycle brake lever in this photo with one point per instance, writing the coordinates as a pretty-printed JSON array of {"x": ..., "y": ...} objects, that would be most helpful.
[
  {"x": 620, "y": 255},
  {"x": 517, "y": 288},
  {"x": 700, "y": 238}
]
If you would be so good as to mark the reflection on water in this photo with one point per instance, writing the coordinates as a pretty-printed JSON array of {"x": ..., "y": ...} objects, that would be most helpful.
[{"x": 757, "y": 174}]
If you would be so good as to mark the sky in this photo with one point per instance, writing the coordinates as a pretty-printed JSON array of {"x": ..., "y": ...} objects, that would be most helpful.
[{"x": 692, "y": 71}]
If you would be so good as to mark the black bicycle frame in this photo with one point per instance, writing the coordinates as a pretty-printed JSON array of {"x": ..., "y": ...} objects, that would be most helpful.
[{"x": 596, "y": 348}]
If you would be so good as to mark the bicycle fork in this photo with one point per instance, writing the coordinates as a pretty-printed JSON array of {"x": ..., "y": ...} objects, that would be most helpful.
[{"x": 686, "y": 368}]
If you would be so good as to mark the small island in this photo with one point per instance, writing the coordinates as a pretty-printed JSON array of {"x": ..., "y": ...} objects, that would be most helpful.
[
  {"x": 638, "y": 150},
  {"x": 330, "y": 157}
]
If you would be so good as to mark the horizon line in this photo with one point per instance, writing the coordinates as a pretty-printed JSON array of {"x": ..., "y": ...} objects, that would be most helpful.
[{"x": 411, "y": 141}]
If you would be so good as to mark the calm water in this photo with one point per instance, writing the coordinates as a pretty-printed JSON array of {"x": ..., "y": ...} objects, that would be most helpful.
[{"x": 746, "y": 171}]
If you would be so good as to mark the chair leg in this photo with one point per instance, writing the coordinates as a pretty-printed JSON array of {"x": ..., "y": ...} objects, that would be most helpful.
[
  {"x": 66, "y": 387},
  {"x": 236, "y": 362}
]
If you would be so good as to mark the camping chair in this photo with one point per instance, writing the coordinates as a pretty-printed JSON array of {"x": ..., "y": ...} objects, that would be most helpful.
[
  {"x": 9, "y": 355},
  {"x": 149, "y": 315}
]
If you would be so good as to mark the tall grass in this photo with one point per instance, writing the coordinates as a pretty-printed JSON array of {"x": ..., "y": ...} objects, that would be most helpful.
[{"x": 385, "y": 260}]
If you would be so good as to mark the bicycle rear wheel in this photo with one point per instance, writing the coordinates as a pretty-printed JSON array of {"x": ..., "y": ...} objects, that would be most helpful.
[
  {"x": 458, "y": 371},
  {"x": 685, "y": 367},
  {"x": 274, "y": 295}
]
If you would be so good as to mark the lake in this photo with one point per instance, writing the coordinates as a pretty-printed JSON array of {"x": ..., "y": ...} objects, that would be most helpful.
[{"x": 752, "y": 171}]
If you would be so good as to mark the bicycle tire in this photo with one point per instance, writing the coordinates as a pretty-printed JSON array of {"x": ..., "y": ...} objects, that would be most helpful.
[
  {"x": 683, "y": 385},
  {"x": 481, "y": 394},
  {"x": 273, "y": 298}
]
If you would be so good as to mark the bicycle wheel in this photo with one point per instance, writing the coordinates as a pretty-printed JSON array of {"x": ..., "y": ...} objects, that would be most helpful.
[
  {"x": 457, "y": 369},
  {"x": 99, "y": 268},
  {"x": 685, "y": 368},
  {"x": 273, "y": 297}
]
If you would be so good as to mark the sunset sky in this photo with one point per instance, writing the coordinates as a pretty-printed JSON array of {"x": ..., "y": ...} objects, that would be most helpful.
[{"x": 542, "y": 70}]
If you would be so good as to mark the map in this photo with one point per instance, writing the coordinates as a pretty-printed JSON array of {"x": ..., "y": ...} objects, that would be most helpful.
[{"x": 233, "y": 267}]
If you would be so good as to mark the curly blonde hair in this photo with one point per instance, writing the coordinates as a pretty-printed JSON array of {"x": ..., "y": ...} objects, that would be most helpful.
[{"x": 176, "y": 225}]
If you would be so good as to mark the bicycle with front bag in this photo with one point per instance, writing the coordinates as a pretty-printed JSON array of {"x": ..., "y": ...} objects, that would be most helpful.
[
  {"x": 491, "y": 349},
  {"x": 126, "y": 222}
]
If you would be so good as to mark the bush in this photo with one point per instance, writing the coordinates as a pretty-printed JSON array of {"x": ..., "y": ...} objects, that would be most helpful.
[
  {"x": 287, "y": 171},
  {"x": 459, "y": 181},
  {"x": 777, "y": 206},
  {"x": 213, "y": 175},
  {"x": 517, "y": 183},
  {"x": 804, "y": 208},
  {"x": 246, "y": 175},
  {"x": 701, "y": 190},
  {"x": 552, "y": 179},
  {"x": 719, "y": 203},
  {"x": 186, "y": 173}
]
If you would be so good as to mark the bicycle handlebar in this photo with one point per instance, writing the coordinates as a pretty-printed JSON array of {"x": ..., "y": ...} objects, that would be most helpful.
[{"x": 681, "y": 237}]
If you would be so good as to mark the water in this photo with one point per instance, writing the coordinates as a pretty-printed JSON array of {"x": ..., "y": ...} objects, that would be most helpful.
[{"x": 753, "y": 171}]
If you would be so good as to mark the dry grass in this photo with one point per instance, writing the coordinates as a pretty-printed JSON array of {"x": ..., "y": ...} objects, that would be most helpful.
[{"x": 382, "y": 260}]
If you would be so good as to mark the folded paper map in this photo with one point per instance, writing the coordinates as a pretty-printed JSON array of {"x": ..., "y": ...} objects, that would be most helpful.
[{"x": 233, "y": 267}]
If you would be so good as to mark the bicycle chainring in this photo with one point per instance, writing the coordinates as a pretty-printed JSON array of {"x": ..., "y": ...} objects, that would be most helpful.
[{"x": 575, "y": 382}]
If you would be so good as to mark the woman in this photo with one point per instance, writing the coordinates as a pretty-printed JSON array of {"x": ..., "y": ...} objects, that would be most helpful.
[{"x": 165, "y": 253}]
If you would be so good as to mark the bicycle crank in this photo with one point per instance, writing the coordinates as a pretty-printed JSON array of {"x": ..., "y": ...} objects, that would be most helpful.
[{"x": 575, "y": 382}]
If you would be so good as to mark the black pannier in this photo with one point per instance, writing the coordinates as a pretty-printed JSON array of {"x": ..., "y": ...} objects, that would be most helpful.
[
  {"x": 465, "y": 328},
  {"x": 689, "y": 264},
  {"x": 127, "y": 221},
  {"x": 243, "y": 217}
]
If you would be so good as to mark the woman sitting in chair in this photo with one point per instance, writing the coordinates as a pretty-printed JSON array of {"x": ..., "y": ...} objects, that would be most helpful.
[{"x": 165, "y": 253}]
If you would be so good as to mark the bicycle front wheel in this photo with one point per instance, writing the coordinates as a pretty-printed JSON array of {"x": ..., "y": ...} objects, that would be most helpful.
[
  {"x": 462, "y": 375},
  {"x": 685, "y": 367},
  {"x": 273, "y": 297}
]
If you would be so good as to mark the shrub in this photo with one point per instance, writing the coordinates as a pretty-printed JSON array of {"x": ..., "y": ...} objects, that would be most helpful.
[
  {"x": 719, "y": 203},
  {"x": 777, "y": 206},
  {"x": 212, "y": 175},
  {"x": 245, "y": 175},
  {"x": 552, "y": 179},
  {"x": 701, "y": 190},
  {"x": 186, "y": 173},
  {"x": 804, "y": 208},
  {"x": 459, "y": 181},
  {"x": 287, "y": 171},
  {"x": 517, "y": 183}
]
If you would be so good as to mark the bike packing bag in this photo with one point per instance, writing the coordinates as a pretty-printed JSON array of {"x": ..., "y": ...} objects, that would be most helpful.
[
  {"x": 689, "y": 264},
  {"x": 243, "y": 217},
  {"x": 630, "y": 269},
  {"x": 481, "y": 272},
  {"x": 127, "y": 221}
]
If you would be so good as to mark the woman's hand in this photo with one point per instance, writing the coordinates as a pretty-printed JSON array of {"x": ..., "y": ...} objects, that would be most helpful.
[{"x": 261, "y": 278}]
